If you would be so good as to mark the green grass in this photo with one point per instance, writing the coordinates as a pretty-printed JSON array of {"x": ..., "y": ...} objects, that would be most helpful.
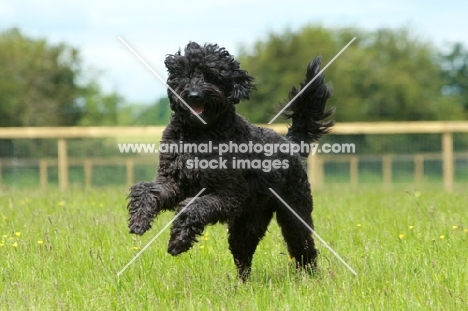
[{"x": 85, "y": 243}]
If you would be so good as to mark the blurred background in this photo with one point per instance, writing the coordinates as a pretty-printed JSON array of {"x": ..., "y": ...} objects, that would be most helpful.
[{"x": 62, "y": 65}]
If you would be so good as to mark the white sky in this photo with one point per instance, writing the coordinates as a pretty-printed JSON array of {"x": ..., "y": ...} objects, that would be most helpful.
[{"x": 156, "y": 28}]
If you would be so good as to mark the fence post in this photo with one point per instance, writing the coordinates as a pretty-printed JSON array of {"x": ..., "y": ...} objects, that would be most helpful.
[
  {"x": 62, "y": 164},
  {"x": 447, "y": 160},
  {"x": 387, "y": 169},
  {"x": 88, "y": 172},
  {"x": 43, "y": 173},
  {"x": 353, "y": 170},
  {"x": 419, "y": 168},
  {"x": 130, "y": 172},
  {"x": 315, "y": 171}
]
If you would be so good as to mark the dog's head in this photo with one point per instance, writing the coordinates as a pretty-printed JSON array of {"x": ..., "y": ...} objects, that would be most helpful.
[{"x": 209, "y": 80}]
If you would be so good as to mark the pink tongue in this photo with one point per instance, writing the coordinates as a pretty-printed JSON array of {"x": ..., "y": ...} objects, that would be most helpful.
[{"x": 198, "y": 108}]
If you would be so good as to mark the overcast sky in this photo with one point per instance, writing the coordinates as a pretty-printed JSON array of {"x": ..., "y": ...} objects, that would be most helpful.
[{"x": 156, "y": 28}]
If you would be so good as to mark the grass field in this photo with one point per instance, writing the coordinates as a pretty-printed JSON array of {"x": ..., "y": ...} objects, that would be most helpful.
[{"x": 62, "y": 251}]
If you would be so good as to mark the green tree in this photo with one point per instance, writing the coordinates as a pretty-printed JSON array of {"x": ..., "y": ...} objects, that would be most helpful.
[
  {"x": 400, "y": 80},
  {"x": 42, "y": 84},
  {"x": 455, "y": 73},
  {"x": 137, "y": 114},
  {"x": 156, "y": 114},
  {"x": 279, "y": 63},
  {"x": 37, "y": 82},
  {"x": 385, "y": 75},
  {"x": 99, "y": 108}
]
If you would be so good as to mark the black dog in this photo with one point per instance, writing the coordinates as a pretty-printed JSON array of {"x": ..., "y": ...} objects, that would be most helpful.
[{"x": 210, "y": 81}]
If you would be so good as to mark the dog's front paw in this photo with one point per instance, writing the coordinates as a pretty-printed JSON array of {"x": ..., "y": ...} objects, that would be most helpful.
[
  {"x": 140, "y": 218},
  {"x": 182, "y": 238},
  {"x": 139, "y": 227},
  {"x": 142, "y": 207},
  {"x": 179, "y": 246},
  {"x": 183, "y": 234}
]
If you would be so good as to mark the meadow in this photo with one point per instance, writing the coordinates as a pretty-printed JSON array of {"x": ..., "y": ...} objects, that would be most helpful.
[{"x": 62, "y": 251}]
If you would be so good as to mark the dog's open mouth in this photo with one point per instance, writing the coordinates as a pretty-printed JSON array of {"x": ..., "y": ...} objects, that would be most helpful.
[{"x": 198, "y": 108}]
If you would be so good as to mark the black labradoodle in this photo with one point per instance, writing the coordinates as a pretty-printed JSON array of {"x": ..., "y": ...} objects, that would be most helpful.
[{"x": 237, "y": 193}]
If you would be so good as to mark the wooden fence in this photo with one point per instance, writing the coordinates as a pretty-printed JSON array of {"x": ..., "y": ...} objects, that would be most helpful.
[{"x": 315, "y": 163}]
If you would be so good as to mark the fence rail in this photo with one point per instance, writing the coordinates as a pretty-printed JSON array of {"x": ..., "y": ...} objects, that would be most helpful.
[{"x": 315, "y": 163}]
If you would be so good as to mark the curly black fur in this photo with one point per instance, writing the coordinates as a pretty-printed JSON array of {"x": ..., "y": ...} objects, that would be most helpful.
[
  {"x": 310, "y": 121},
  {"x": 210, "y": 80}
]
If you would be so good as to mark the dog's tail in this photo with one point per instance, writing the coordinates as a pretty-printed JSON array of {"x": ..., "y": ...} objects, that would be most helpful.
[{"x": 310, "y": 120}]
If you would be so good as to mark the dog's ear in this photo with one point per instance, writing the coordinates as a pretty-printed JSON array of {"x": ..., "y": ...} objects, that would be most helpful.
[
  {"x": 175, "y": 62},
  {"x": 242, "y": 85},
  {"x": 170, "y": 63}
]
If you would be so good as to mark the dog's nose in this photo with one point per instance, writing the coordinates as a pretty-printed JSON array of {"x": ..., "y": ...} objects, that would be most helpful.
[{"x": 195, "y": 95}]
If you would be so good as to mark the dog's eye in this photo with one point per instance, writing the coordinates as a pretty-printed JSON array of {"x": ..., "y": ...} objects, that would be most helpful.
[
  {"x": 208, "y": 76},
  {"x": 182, "y": 78}
]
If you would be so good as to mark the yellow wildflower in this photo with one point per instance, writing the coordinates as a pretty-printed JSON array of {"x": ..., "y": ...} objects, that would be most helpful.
[
  {"x": 442, "y": 237},
  {"x": 358, "y": 225},
  {"x": 401, "y": 236},
  {"x": 1, "y": 244},
  {"x": 61, "y": 203},
  {"x": 202, "y": 246},
  {"x": 417, "y": 194},
  {"x": 454, "y": 227},
  {"x": 40, "y": 242},
  {"x": 18, "y": 234},
  {"x": 135, "y": 248},
  {"x": 15, "y": 244},
  {"x": 411, "y": 227}
]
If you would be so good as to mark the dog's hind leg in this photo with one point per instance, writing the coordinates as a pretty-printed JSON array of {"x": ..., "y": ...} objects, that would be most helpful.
[
  {"x": 298, "y": 237},
  {"x": 245, "y": 232}
]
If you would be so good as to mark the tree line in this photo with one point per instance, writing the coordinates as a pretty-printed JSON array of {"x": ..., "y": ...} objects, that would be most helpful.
[
  {"x": 44, "y": 84},
  {"x": 385, "y": 75}
]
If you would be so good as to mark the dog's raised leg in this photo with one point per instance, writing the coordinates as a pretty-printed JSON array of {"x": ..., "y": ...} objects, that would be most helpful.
[
  {"x": 147, "y": 200},
  {"x": 206, "y": 209},
  {"x": 245, "y": 232}
]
